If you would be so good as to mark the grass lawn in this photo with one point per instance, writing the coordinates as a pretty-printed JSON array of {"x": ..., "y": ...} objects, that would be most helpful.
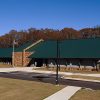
[
  {"x": 5, "y": 65},
  {"x": 86, "y": 94},
  {"x": 15, "y": 89}
]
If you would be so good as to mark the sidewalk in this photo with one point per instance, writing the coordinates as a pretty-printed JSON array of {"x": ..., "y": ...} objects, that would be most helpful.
[
  {"x": 81, "y": 79},
  {"x": 12, "y": 69},
  {"x": 64, "y": 94}
]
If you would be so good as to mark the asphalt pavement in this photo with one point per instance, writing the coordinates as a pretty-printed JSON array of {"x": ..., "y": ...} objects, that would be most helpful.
[{"x": 49, "y": 78}]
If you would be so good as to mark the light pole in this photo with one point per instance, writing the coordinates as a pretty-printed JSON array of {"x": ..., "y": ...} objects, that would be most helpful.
[
  {"x": 14, "y": 43},
  {"x": 13, "y": 52},
  {"x": 57, "y": 82}
]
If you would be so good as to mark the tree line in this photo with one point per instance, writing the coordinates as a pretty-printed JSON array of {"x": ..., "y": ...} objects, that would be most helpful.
[{"x": 34, "y": 34}]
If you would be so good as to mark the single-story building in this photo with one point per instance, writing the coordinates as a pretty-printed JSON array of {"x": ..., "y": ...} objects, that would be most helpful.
[{"x": 71, "y": 52}]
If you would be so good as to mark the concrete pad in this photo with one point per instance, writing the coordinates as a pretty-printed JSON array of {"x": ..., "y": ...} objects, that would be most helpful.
[{"x": 64, "y": 94}]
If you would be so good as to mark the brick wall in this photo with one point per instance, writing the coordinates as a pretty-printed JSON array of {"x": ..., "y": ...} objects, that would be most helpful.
[
  {"x": 21, "y": 58},
  {"x": 26, "y": 58},
  {"x": 17, "y": 59}
]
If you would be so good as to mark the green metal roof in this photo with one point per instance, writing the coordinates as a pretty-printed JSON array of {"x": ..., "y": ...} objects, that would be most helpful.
[
  {"x": 46, "y": 49},
  {"x": 22, "y": 47},
  {"x": 76, "y": 48},
  {"x": 6, "y": 52}
]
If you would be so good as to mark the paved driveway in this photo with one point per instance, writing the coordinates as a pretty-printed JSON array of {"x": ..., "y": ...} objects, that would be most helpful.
[{"x": 49, "y": 78}]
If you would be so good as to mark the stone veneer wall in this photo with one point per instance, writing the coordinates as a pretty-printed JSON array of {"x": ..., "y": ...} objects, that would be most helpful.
[
  {"x": 21, "y": 58},
  {"x": 17, "y": 58},
  {"x": 26, "y": 60}
]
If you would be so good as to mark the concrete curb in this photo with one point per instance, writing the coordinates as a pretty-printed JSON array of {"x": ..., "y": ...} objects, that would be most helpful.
[
  {"x": 64, "y": 94},
  {"x": 80, "y": 79}
]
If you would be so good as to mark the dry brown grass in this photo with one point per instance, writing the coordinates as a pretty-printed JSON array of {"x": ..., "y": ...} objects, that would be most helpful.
[
  {"x": 15, "y": 89},
  {"x": 5, "y": 65},
  {"x": 86, "y": 94}
]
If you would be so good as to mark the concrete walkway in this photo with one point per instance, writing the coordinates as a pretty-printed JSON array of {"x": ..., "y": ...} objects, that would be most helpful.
[
  {"x": 64, "y": 94},
  {"x": 81, "y": 79},
  {"x": 27, "y": 69}
]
